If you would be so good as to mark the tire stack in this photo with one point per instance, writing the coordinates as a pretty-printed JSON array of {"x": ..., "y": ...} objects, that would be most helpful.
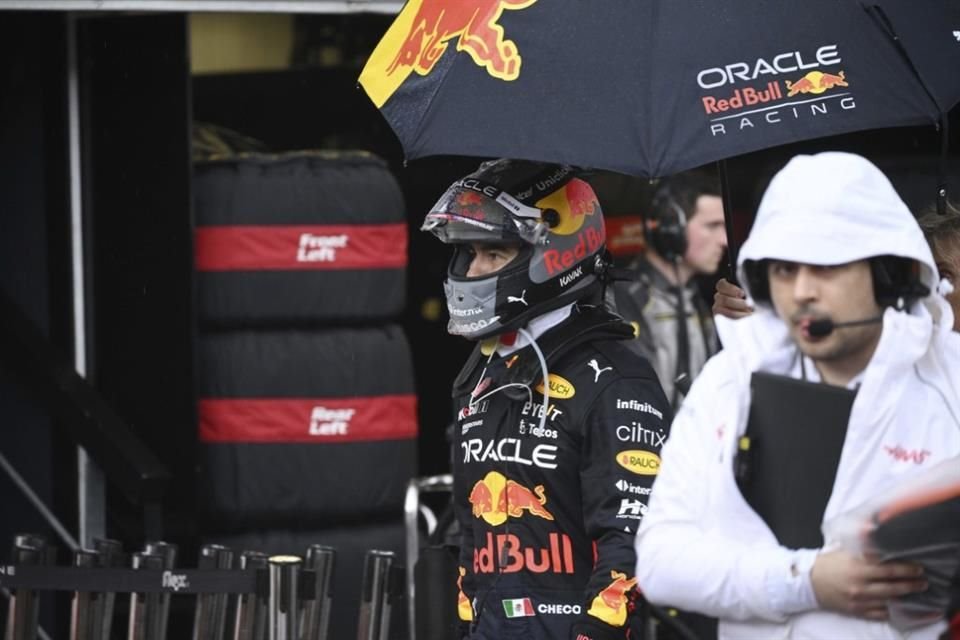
[{"x": 306, "y": 399}]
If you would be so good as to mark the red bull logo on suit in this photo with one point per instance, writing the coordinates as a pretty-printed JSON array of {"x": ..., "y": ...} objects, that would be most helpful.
[
  {"x": 496, "y": 497},
  {"x": 610, "y": 605}
]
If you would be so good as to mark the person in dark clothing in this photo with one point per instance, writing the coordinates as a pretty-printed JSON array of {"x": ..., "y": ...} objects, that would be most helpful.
[
  {"x": 685, "y": 237},
  {"x": 558, "y": 424}
]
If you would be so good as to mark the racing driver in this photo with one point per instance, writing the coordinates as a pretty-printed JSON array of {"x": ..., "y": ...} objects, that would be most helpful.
[{"x": 559, "y": 424}]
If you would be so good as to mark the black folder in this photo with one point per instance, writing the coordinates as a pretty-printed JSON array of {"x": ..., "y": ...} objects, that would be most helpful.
[{"x": 786, "y": 470}]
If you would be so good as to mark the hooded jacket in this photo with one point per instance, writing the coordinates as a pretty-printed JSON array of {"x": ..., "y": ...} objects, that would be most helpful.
[{"x": 701, "y": 547}]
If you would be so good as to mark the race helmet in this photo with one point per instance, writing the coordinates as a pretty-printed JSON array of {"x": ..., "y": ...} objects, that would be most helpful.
[{"x": 555, "y": 218}]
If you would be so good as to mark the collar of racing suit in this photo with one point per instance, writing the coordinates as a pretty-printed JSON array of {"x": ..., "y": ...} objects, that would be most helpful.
[{"x": 586, "y": 323}]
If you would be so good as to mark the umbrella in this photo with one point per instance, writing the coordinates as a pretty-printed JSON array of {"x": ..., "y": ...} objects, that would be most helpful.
[{"x": 650, "y": 87}]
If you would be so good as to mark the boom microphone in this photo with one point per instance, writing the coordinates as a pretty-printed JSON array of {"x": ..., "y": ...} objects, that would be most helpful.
[{"x": 825, "y": 326}]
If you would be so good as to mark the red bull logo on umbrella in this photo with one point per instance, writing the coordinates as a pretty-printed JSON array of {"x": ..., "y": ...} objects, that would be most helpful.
[
  {"x": 816, "y": 82},
  {"x": 496, "y": 498},
  {"x": 749, "y": 94},
  {"x": 474, "y": 24},
  {"x": 610, "y": 605},
  {"x": 424, "y": 30}
]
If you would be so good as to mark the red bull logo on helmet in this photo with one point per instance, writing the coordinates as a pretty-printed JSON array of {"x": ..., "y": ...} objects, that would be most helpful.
[
  {"x": 496, "y": 498},
  {"x": 558, "y": 260},
  {"x": 572, "y": 203},
  {"x": 583, "y": 202},
  {"x": 575, "y": 232}
]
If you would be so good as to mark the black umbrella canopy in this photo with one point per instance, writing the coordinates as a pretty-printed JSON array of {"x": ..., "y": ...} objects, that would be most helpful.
[
  {"x": 929, "y": 32},
  {"x": 652, "y": 87}
]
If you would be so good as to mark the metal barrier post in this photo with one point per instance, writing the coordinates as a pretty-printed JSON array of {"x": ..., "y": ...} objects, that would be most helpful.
[
  {"x": 411, "y": 508},
  {"x": 144, "y": 621},
  {"x": 374, "y": 620},
  {"x": 168, "y": 552},
  {"x": 411, "y": 512},
  {"x": 24, "y": 608},
  {"x": 251, "y": 616},
  {"x": 83, "y": 607},
  {"x": 316, "y": 613},
  {"x": 111, "y": 555},
  {"x": 31, "y": 541},
  {"x": 210, "y": 620},
  {"x": 284, "y": 573}
]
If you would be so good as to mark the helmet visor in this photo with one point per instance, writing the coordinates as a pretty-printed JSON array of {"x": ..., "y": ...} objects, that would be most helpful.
[{"x": 465, "y": 215}]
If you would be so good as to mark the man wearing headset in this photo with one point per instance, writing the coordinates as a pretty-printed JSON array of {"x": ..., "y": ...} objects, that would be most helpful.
[
  {"x": 558, "y": 423},
  {"x": 942, "y": 231},
  {"x": 841, "y": 278},
  {"x": 685, "y": 237}
]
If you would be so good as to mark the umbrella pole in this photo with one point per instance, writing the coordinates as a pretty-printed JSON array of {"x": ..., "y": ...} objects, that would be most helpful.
[
  {"x": 728, "y": 220},
  {"x": 942, "y": 174}
]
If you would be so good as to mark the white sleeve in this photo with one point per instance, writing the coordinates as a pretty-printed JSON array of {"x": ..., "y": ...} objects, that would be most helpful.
[{"x": 682, "y": 564}]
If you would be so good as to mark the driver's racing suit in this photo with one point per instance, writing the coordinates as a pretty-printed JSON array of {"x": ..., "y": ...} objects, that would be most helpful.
[{"x": 548, "y": 514}]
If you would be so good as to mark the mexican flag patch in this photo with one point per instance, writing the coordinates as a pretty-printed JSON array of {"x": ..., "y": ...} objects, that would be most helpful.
[{"x": 518, "y": 608}]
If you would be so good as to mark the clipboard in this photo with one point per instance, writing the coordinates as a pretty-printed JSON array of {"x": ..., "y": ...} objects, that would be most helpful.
[{"x": 788, "y": 462}]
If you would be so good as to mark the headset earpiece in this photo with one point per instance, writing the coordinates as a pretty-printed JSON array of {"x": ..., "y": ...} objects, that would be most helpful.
[
  {"x": 666, "y": 227},
  {"x": 896, "y": 281},
  {"x": 755, "y": 272}
]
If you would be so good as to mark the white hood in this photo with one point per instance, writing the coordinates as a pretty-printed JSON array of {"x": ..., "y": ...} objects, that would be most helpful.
[
  {"x": 829, "y": 209},
  {"x": 833, "y": 208}
]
